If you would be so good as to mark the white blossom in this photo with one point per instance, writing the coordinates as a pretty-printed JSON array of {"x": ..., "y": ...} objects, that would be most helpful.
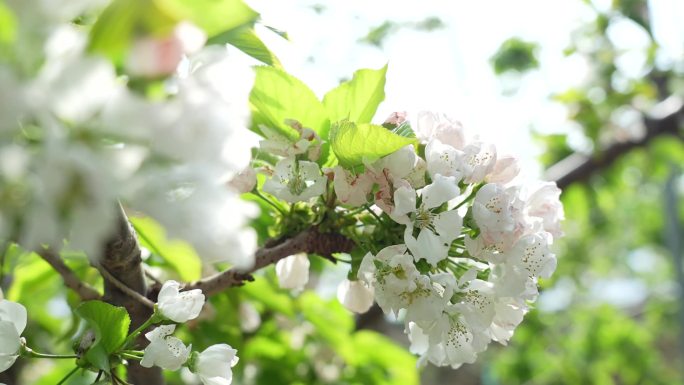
[
  {"x": 249, "y": 317},
  {"x": 164, "y": 350},
  {"x": 430, "y": 125},
  {"x": 544, "y": 203},
  {"x": 389, "y": 174},
  {"x": 12, "y": 323},
  {"x": 443, "y": 159},
  {"x": 276, "y": 143},
  {"x": 153, "y": 56},
  {"x": 244, "y": 181},
  {"x": 351, "y": 189},
  {"x": 505, "y": 169},
  {"x": 296, "y": 181},
  {"x": 492, "y": 208},
  {"x": 532, "y": 253},
  {"x": 293, "y": 271},
  {"x": 356, "y": 296},
  {"x": 477, "y": 161},
  {"x": 436, "y": 230},
  {"x": 214, "y": 365},
  {"x": 179, "y": 306}
]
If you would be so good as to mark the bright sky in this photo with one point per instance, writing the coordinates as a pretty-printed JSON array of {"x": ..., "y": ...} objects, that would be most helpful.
[{"x": 448, "y": 69}]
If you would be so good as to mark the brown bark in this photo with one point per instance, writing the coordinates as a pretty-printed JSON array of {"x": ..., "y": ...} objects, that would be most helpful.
[
  {"x": 308, "y": 241},
  {"x": 71, "y": 280},
  {"x": 121, "y": 259},
  {"x": 667, "y": 119}
]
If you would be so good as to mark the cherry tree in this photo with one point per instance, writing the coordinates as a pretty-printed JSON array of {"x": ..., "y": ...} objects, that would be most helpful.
[{"x": 154, "y": 171}]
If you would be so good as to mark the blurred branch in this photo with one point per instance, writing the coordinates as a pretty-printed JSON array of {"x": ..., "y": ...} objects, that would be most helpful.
[
  {"x": 666, "y": 118},
  {"x": 307, "y": 241},
  {"x": 673, "y": 241},
  {"x": 71, "y": 280}
]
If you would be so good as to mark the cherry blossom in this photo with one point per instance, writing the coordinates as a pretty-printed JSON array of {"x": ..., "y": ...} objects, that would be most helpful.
[
  {"x": 179, "y": 306},
  {"x": 214, "y": 365},
  {"x": 12, "y": 324},
  {"x": 164, "y": 350},
  {"x": 293, "y": 271}
]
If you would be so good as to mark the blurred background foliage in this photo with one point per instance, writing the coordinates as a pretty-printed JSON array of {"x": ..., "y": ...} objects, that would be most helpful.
[{"x": 610, "y": 315}]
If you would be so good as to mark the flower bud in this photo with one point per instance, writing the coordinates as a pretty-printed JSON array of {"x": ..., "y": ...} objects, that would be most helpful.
[
  {"x": 293, "y": 271},
  {"x": 355, "y": 295},
  {"x": 214, "y": 364}
]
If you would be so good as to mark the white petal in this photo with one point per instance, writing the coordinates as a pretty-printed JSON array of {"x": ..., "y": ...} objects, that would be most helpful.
[
  {"x": 217, "y": 361},
  {"x": 14, "y": 313},
  {"x": 168, "y": 291},
  {"x": 448, "y": 224},
  {"x": 293, "y": 271},
  {"x": 355, "y": 296},
  {"x": 6, "y": 361},
  {"x": 160, "y": 332},
  {"x": 404, "y": 201},
  {"x": 442, "y": 189},
  {"x": 399, "y": 163},
  {"x": 443, "y": 159},
  {"x": 9, "y": 338}
]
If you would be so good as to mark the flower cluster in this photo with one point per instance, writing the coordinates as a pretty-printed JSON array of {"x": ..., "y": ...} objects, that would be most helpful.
[
  {"x": 474, "y": 245},
  {"x": 296, "y": 177},
  {"x": 76, "y": 138},
  {"x": 213, "y": 365}
]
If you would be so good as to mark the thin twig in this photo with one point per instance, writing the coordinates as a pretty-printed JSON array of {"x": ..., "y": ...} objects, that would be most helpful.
[
  {"x": 71, "y": 280},
  {"x": 151, "y": 276},
  {"x": 127, "y": 290}
]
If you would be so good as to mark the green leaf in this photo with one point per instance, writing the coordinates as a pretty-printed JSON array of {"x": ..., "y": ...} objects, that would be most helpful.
[
  {"x": 110, "y": 324},
  {"x": 178, "y": 254},
  {"x": 277, "y": 96},
  {"x": 213, "y": 16},
  {"x": 8, "y": 24},
  {"x": 358, "y": 99},
  {"x": 123, "y": 19},
  {"x": 116, "y": 27},
  {"x": 262, "y": 291},
  {"x": 352, "y": 143},
  {"x": 332, "y": 321},
  {"x": 377, "y": 351},
  {"x": 247, "y": 41}
]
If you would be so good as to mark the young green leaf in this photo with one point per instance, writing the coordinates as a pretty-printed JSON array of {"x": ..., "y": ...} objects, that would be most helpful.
[
  {"x": 247, "y": 41},
  {"x": 110, "y": 324},
  {"x": 178, "y": 254},
  {"x": 8, "y": 24},
  {"x": 358, "y": 99},
  {"x": 355, "y": 143},
  {"x": 277, "y": 96},
  {"x": 213, "y": 16},
  {"x": 114, "y": 30}
]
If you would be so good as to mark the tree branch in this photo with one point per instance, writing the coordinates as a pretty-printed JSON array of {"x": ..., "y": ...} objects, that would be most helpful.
[
  {"x": 71, "y": 280},
  {"x": 121, "y": 260},
  {"x": 666, "y": 118},
  {"x": 308, "y": 241},
  {"x": 121, "y": 286}
]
